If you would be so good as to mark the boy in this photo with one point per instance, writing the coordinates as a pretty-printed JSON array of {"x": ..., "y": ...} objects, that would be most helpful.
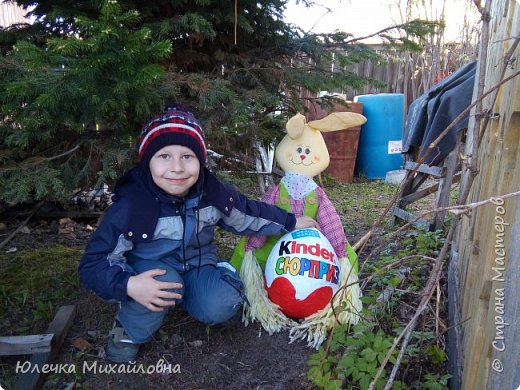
[{"x": 154, "y": 247}]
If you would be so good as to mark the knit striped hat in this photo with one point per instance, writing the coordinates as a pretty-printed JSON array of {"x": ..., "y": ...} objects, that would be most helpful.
[{"x": 174, "y": 126}]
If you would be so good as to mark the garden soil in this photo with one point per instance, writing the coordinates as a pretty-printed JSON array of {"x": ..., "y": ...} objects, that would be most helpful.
[{"x": 184, "y": 354}]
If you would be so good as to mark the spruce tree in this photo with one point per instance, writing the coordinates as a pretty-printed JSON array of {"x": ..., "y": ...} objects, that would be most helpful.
[
  {"x": 77, "y": 84},
  {"x": 71, "y": 107}
]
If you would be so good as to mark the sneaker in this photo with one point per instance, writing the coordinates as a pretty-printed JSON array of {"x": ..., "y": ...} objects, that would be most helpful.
[{"x": 120, "y": 348}]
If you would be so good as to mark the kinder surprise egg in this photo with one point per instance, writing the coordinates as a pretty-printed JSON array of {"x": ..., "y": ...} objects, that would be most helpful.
[{"x": 302, "y": 273}]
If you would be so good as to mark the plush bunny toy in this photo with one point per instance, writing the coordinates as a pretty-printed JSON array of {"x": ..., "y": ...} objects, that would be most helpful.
[{"x": 302, "y": 154}]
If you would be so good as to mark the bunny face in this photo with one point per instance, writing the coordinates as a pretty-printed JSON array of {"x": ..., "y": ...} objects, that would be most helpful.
[
  {"x": 303, "y": 149},
  {"x": 307, "y": 155}
]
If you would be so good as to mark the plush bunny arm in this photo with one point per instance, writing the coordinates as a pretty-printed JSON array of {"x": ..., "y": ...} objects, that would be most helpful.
[
  {"x": 254, "y": 242},
  {"x": 330, "y": 223}
]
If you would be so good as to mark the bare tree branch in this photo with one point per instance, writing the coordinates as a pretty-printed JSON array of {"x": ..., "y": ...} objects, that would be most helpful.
[
  {"x": 407, "y": 331},
  {"x": 15, "y": 231}
]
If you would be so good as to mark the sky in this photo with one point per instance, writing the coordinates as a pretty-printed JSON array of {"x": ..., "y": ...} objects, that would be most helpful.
[{"x": 363, "y": 17}]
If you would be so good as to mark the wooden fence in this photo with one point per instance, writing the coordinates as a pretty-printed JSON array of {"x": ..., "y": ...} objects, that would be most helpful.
[
  {"x": 485, "y": 265},
  {"x": 410, "y": 73}
]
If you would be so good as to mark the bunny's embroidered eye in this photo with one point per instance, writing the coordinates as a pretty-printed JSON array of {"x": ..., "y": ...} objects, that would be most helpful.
[
  {"x": 299, "y": 150},
  {"x": 307, "y": 150}
]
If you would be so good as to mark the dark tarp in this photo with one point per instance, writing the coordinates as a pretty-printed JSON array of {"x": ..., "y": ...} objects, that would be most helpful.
[{"x": 431, "y": 113}]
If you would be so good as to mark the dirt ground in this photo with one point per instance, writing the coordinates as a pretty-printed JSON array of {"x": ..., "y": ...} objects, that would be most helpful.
[
  {"x": 230, "y": 355},
  {"x": 227, "y": 356}
]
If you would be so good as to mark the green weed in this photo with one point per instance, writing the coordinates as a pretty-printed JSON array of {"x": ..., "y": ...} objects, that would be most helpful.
[
  {"x": 354, "y": 355},
  {"x": 436, "y": 382},
  {"x": 354, "y": 358}
]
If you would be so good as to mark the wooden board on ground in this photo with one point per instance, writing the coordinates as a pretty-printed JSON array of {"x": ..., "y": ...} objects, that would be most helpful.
[
  {"x": 25, "y": 345},
  {"x": 59, "y": 328}
]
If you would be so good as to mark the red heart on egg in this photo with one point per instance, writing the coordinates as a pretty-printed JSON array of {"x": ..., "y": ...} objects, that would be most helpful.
[{"x": 283, "y": 293}]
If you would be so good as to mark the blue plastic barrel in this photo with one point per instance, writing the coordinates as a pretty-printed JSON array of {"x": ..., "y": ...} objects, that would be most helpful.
[{"x": 380, "y": 140}]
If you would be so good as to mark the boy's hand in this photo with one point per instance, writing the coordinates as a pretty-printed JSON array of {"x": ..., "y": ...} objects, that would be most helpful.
[
  {"x": 306, "y": 222},
  {"x": 152, "y": 293}
]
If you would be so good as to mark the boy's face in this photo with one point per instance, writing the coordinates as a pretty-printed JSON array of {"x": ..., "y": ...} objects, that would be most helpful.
[{"x": 175, "y": 169}]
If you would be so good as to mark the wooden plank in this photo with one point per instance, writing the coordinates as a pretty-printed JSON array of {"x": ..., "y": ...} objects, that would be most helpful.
[
  {"x": 410, "y": 198},
  {"x": 424, "y": 168},
  {"x": 73, "y": 214},
  {"x": 454, "y": 349},
  {"x": 25, "y": 345},
  {"x": 407, "y": 186},
  {"x": 417, "y": 181},
  {"x": 443, "y": 195},
  {"x": 59, "y": 326},
  {"x": 409, "y": 217},
  {"x": 506, "y": 341},
  {"x": 479, "y": 241},
  {"x": 415, "y": 196}
]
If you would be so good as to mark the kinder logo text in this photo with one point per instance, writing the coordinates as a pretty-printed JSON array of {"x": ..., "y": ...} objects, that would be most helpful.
[
  {"x": 303, "y": 266},
  {"x": 293, "y": 247}
]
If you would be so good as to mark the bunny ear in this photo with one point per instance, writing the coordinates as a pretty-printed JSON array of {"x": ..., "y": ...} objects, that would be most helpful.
[
  {"x": 337, "y": 121},
  {"x": 295, "y": 126}
]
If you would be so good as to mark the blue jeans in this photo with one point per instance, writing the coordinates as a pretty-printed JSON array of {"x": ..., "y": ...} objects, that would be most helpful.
[{"x": 211, "y": 295}]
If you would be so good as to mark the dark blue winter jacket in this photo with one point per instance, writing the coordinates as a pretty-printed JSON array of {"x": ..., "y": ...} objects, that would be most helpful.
[{"x": 146, "y": 223}]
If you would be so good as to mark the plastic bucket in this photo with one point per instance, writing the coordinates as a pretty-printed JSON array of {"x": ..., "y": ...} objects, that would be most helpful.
[{"x": 380, "y": 140}]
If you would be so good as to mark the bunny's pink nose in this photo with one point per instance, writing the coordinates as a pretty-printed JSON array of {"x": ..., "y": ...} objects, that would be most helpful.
[{"x": 303, "y": 156}]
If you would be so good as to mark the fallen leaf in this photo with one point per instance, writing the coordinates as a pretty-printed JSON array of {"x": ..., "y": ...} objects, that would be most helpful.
[
  {"x": 81, "y": 343},
  {"x": 63, "y": 221}
]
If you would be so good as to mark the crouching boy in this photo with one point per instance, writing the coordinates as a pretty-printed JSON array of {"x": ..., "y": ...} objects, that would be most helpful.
[{"x": 154, "y": 248}]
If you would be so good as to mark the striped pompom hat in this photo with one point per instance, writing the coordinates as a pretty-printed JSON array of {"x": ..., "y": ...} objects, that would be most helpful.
[{"x": 174, "y": 126}]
